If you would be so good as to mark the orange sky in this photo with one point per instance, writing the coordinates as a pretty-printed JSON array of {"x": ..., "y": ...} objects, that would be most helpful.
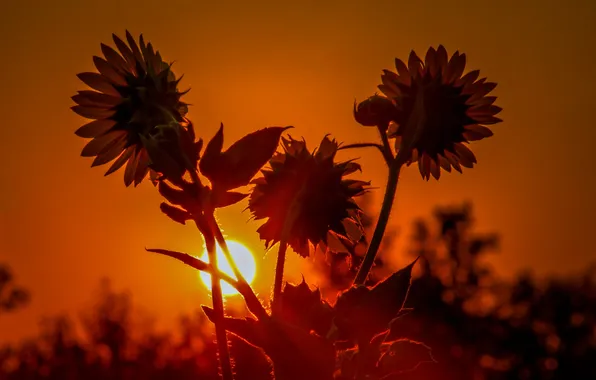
[{"x": 63, "y": 225}]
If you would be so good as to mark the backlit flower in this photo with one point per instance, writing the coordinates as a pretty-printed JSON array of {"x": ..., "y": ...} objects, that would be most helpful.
[
  {"x": 439, "y": 111},
  {"x": 312, "y": 187},
  {"x": 135, "y": 92}
]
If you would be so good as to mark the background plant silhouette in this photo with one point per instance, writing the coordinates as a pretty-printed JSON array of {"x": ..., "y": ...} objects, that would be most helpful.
[{"x": 479, "y": 325}]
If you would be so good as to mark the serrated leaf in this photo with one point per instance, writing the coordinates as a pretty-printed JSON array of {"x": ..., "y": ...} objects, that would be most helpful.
[
  {"x": 404, "y": 355},
  {"x": 362, "y": 313}
]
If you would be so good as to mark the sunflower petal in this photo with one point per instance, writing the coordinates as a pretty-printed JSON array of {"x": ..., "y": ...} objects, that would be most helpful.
[
  {"x": 96, "y": 99},
  {"x": 444, "y": 163},
  {"x": 442, "y": 60},
  {"x": 108, "y": 71},
  {"x": 402, "y": 70},
  {"x": 466, "y": 156},
  {"x": 414, "y": 64},
  {"x": 456, "y": 67},
  {"x": 120, "y": 161},
  {"x": 435, "y": 169},
  {"x": 389, "y": 91},
  {"x": 484, "y": 110},
  {"x": 114, "y": 59},
  {"x": 98, "y": 82},
  {"x": 430, "y": 61},
  {"x": 140, "y": 62},
  {"x": 485, "y": 101},
  {"x": 131, "y": 167},
  {"x": 95, "y": 128},
  {"x": 92, "y": 112},
  {"x": 142, "y": 167},
  {"x": 487, "y": 119},
  {"x": 453, "y": 160},
  {"x": 110, "y": 152},
  {"x": 98, "y": 144},
  {"x": 483, "y": 90},
  {"x": 126, "y": 53},
  {"x": 467, "y": 79},
  {"x": 476, "y": 132}
]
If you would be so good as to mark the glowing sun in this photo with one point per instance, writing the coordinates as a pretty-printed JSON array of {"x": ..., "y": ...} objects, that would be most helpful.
[{"x": 243, "y": 258}]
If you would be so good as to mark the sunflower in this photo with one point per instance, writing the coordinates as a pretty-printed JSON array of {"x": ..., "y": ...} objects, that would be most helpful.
[
  {"x": 135, "y": 92},
  {"x": 438, "y": 111},
  {"x": 313, "y": 186}
]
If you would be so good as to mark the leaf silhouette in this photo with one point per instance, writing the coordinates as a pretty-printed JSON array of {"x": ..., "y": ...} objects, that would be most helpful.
[
  {"x": 296, "y": 354},
  {"x": 361, "y": 313},
  {"x": 304, "y": 308},
  {"x": 402, "y": 356},
  {"x": 242, "y": 160}
]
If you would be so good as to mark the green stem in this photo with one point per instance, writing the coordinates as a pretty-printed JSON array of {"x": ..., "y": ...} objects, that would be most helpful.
[
  {"x": 218, "y": 306},
  {"x": 375, "y": 243}
]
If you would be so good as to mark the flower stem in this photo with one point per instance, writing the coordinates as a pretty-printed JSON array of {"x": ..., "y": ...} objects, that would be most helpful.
[
  {"x": 243, "y": 287},
  {"x": 375, "y": 243},
  {"x": 386, "y": 156},
  {"x": 218, "y": 306},
  {"x": 279, "y": 274}
]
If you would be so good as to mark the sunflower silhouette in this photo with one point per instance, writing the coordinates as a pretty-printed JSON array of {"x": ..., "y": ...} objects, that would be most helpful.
[
  {"x": 313, "y": 187},
  {"x": 135, "y": 92},
  {"x": 450, "y": 110}
]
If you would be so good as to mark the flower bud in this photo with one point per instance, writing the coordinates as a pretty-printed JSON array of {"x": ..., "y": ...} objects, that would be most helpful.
[{"x": 375, "y": 111}]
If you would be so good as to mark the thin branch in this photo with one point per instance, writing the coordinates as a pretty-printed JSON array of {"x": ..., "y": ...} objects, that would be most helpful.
[
  {"x": 195, "y": 263},
  {"x": 387, "y": 157}
]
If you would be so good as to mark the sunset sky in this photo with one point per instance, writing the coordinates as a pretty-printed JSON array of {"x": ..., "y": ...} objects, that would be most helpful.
[{"x": 253, "y": 64}]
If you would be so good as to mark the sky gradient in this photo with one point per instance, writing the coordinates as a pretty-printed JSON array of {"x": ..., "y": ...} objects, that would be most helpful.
[{"x": 63, "y": 226}]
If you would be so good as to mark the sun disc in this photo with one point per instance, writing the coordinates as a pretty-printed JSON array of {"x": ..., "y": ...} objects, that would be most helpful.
[{"x": 244, "y": 260}]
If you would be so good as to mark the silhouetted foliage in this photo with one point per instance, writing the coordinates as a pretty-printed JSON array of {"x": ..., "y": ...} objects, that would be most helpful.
[
  {"x": 11, "y": 296},
  {"x": 479, "y": 326}
]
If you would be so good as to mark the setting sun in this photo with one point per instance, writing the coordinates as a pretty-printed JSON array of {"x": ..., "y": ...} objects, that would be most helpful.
[{"x": 243, "y": 258}]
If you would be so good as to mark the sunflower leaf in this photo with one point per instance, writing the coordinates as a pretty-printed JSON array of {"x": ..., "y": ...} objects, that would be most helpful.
[
  {"x": 242, "y": 160},
  {"x": 226, "y": 198},
  {"x": 404, "y": 355},
  {"x": 209, "y": 162},
  {"x": 363, "y": 312}
]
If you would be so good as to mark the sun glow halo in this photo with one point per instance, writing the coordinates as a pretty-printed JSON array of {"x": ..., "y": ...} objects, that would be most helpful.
[{"x": 243, "y": 258}]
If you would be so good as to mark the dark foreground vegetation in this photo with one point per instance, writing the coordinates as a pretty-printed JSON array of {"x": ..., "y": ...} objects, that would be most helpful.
[{"x": 478, "y": 326}]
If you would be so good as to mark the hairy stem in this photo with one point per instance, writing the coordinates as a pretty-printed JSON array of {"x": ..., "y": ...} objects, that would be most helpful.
[
  {"x": 243, "y": 287},
  {"x": 218, "y": 306},
  {"x": 279, "y": 274},
  {"x": 412, "y": 132},
  {"x": 377, "y": 238},
  {"x": 387, "y": 155}
]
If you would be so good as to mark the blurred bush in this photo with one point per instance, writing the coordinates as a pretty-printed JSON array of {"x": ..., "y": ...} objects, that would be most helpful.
[{"x": 479, "y": 326}]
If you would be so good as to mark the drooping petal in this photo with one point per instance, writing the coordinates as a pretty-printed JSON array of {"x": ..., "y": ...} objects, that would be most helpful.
[
  {"x": 110, "y": 152},
  {"x": 108, "y": 71},
  {"x": 95, "y": 128},
  {"x": 466, "y": 156},
  {"x": 98, "y": 144},
  {"x": 98, "y": 82},
  {"x": 114, "y": 59},
  {"x": 120, "y": 161}
]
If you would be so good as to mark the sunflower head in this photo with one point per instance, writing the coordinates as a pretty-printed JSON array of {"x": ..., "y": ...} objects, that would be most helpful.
[
  {"x": 133, "y": 92},
  {"x": 438, "y": 110},
  {"x": 310, "y": 190}
]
